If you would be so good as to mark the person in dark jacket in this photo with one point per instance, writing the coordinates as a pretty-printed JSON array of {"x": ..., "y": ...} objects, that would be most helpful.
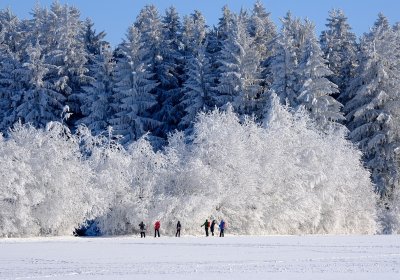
[
  {"x": 221, "y": 228},
  {"x": 142, "y": 227},
  {"x": 206, "y": 226},
  {"x": 157, "y": 229},
  {"x": 178, "y": 229},
  {"x": 212, "y": 227}
]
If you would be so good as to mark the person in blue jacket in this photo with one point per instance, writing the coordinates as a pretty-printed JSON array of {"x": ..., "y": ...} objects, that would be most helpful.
[{"x": 221, "y": 228}]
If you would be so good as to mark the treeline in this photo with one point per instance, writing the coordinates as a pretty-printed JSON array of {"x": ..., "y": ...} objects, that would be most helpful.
[{"x": 168, "y": 69}]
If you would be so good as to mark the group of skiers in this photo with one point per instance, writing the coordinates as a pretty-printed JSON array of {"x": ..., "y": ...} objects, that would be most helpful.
[
  {"x": 211, "y": 226},
  {"x": 207, "y": 225}
]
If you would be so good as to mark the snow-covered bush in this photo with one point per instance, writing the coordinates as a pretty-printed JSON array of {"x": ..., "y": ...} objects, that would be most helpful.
[
  {"x": 45, "y": 188},
  {"x": 130, "y": 176},
  {"x": 282, "y": 177}
]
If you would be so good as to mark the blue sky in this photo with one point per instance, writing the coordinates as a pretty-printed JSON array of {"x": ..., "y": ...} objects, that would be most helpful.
[{"x": 114, "y": 16}]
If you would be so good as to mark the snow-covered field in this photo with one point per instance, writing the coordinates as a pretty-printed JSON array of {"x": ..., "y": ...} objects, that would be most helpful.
[{"x": 232, "y": 257}]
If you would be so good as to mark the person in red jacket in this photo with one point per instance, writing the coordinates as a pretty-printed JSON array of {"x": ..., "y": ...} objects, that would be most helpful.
[{"x": 157, "y": 229}]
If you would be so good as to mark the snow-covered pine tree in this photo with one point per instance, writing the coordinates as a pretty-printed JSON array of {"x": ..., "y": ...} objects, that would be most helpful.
[
  {"x": 263, "y": 31},
  {"x": 169, "y": 74},
  {"x": 42, "y": 28},
  {"x": 285, "y": 61},
  {"x": 339, "y": 48},
  {"x": 10, "y": 88},
  {"x": 373, "y": 112},
  {"x": 214, "y": 41},
  {"x": 69, "y": 56},
  {"x": 150, "y": 28},
  {"x": 197, "y": 86},
  {"x": 211, "y": 54},
  {"x": 41, "y": 103},
  {"x": 225, "y": 24},
  {"x": 97, "y": 107},
  {"x": 11, "y": 33},
  {"x": 194, "y": 31},
  {"x": 133, "y": 87},
  {"x": 11, "y": 80},
  {"x": 149, "y": 25},
  {"x": 239, "y": 81},
  {"x": 316, "y": 90},
  {"x": 300, "y": 73},
  {"x": 96, "y": 96},
  {"x": 94, "y": 44},
  {"x": 244, "y": 17}
]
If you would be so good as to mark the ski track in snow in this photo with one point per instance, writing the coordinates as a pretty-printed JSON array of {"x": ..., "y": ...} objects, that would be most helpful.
[{"x": 233, "y": 257}]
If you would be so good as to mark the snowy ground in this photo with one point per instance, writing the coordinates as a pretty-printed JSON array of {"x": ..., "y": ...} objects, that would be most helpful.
[{"x": 268, "y": 257}]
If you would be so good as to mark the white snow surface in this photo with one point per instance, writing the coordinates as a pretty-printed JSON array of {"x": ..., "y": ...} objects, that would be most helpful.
[{"x": 232, "y": 257}]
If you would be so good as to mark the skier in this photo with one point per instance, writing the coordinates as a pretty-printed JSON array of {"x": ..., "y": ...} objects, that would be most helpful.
[
  {"x": 157, "y": 229},
  {"x": 178, "y": 229},
  {"x": 221, "y": 228},
  {"x": 206, "y": 226},
  {"x": 213, "y": 223},
  {"x": 142, "y": 227}
]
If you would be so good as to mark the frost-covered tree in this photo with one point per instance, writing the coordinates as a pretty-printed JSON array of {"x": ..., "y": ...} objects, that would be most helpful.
[
  {"x": 133, "y": 88},
  {"x": 220, "y": 33},
  {"x": 239, "y": 82},
  {"x": 46, "y": 188},
  {"x": 94, "y": 44},
  {"x": 169, "y": 73},
  {"x": 197, "y": 86},
  {"x": 41, "y": 103},
  {"x": 12, "y": 32},
  {"x": 286, "y": 59},
  {"x": 150, "y": 27},
  {"x": 97, "y": 108},
  {"x": 11, "y": 78},
  {"x": 339, "y": 47},
  {"x": 134, "y": 175},
  {"x": 373, "y": 112},
  {"x": 225, "y": 23},
  {"x": 300, "y": 72},
  {"x": 316, "y": 90},
  {"x": 262, "y": 30},
  {"x": 194, "y": 31},
  {"x": 96, "y": 96},
  {"x": 10, "y": 88},
  {"x": 214, "y": 42},
  {"x": 68, "y": 54}
]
